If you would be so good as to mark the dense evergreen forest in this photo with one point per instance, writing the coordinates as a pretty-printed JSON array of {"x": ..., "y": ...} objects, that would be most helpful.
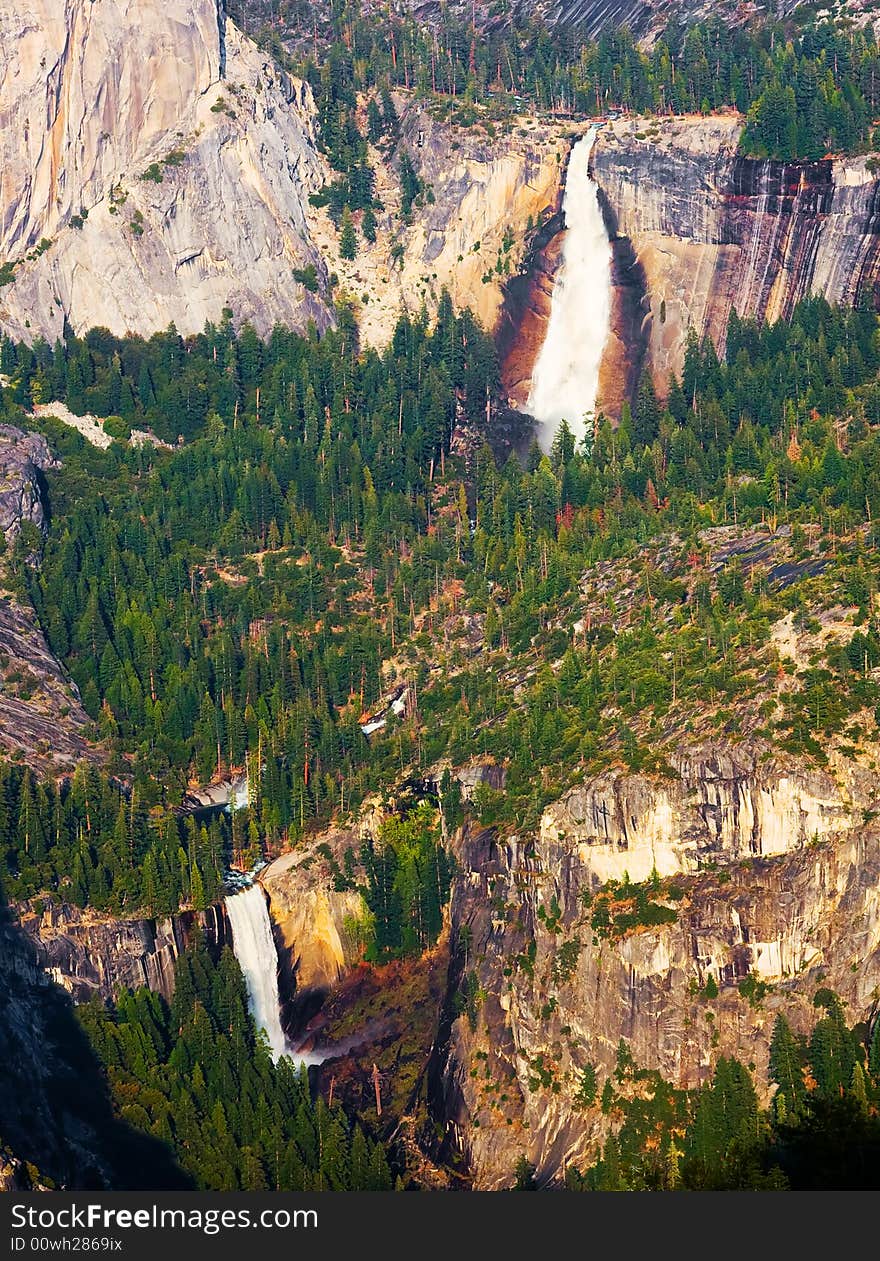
[
  {"x": 228, "y": 593},
  {"x": 231, "y": 604},
  {"x": 197, "y": 1076},
  {"x": 807, "y": 87},
  {"x": 99, "y": 844}
]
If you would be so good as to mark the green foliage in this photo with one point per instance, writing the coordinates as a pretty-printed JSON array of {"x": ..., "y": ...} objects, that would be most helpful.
[
  {"x": 89, "y": 843},
  {"x": 347, "y": 237},
  {"x": 410, "y": 185},
  {"x": 565, "y": 961},
  {"x": 622, "y": 906},
  {"x": 822, "y": 1129},
  {"x": 587, "y": 1089},
  {"x": 468, "y": 998},
  {"x": 524, "y": 1175},
  {"x": 754, "y": 989},
  {"x": 307, "y": 277},
  {"x": 118, "y": 428},
  {"x": 786, "y": 1068},
  {"x": 192, "y": 660},
  {"x": 408, "y": 876},
  {"x": 833, "y": 1052},
  {"x": 368, "y": 224},
  {"x": 805, "y": 87},
  {"x": 200, "y": 1078}
]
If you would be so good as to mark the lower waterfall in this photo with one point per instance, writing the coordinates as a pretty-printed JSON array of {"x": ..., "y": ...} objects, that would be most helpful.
[
  {"x": 255, "y": 951},
  {"x": 565, "y": 380}
]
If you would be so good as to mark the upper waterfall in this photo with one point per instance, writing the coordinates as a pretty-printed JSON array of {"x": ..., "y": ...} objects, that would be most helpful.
[
  {"x": 255, "y": 951},
  {"x": 566, "y": 375}
]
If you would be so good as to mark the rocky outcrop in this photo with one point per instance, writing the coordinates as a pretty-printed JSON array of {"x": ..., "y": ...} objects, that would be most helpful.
[
  {"x": 168, "y": 185},
  {"x": 485, "y": 189},
  {"x": 41, "y": 718},
  {"x": 91, "y": 427},
  {"x": 485, "y": 193},
  {"x": 525, "y": 313},
  {"x": 23, "y": 457},
  {"x": 784, "y": 889},
  {"x": 16, "y": 1175},
  {"x": 381, "y": 1021},
  {"x": 589, "y": 18},
  {"x": 92, "y": 955},
  {"x": 722, "y": 803},
  {"x": 713, "y": 231},
  {"x": 40, "y": 714},
  {"x": 315, "y": 922}
]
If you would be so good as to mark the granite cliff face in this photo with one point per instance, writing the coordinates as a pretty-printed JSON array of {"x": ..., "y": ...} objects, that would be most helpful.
[
  {"x": 314, "y": 923},
  {"x": 713, "y": 231},
  {"x": 485, "y": 192},
  {"x": 725, "y": 803},
  {"x": 85, "y": 95},
  {"x": 157, "y": 167},
  {"x": 40, "y": 713},
  {"x": 167, "y": 161},
  {"x": 785, "y": 886},
  {"x": 91, "y": 955},
  {"x": 768, "y": 872}
]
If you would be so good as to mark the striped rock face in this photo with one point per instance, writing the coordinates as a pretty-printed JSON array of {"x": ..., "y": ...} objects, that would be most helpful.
[{"x": 714, "y": 232}]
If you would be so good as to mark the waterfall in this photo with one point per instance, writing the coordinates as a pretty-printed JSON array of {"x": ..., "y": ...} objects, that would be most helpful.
[
  {"x": 566, "y": 376},
  {"x": 255, "y": 951}
]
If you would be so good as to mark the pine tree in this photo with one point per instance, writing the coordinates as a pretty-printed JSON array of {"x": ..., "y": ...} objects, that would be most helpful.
[
  {"x": 375, "y": 124},
  {"x": 347, "y": 237},
  {"x": 368, "y": 224},
  {"x": 858, "y": 1088},
  {"x": 611, "y": 1175},
  {"x": 646, "y": 419},
  {"x": 786, "y": 1064},
  {"x": 524, "y": 1175}
]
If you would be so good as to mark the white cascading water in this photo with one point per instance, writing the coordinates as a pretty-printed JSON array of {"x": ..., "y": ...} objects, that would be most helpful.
[
  {"x": 565, "y": 380},
  {"x": 255, "y": 951}
]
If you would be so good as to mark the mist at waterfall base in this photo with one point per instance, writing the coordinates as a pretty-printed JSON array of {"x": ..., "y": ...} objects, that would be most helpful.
[
  {"x": 565, "y": 380},
  {"x": 254, "y": 948}
]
